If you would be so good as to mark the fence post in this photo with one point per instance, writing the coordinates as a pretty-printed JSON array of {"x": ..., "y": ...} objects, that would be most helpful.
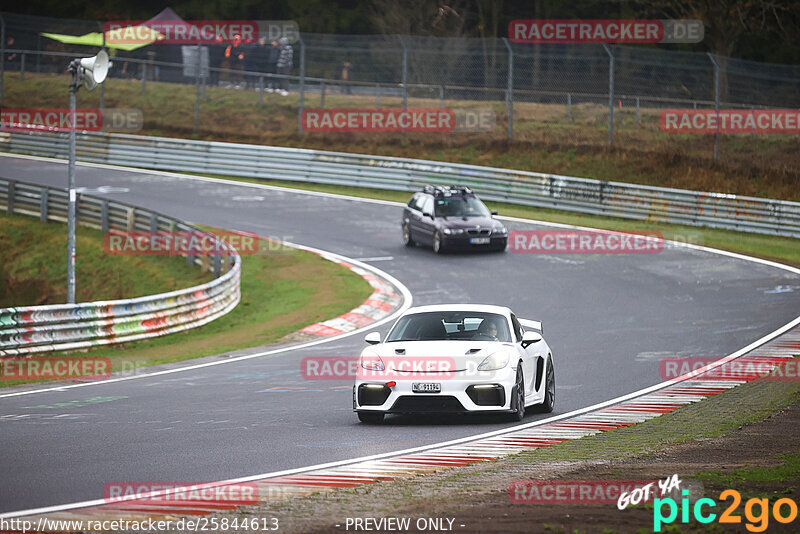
[
  {"x": 569, "y": 107},
  {"x": 43, "y": 205},
  {"x": 637, "y": 111},
  {"x": 144, "y": 73},
  {"x": 405, "y": 72},
  {"x": 217, "y": 260},
  {"x": 322, "y": 94},
  {"x": 302, "y": 84},
  {"x": 510, "y": 91},
  {"x": 377, "y": 95},
  {"x": 610, "y": 94},
  {"x": 197, "y": 92},
  {"x": 716, "y": 103},
  {"x": 260, "y": 90},
  {"x": 38, "y": 52},
  {"x": 22, "y": 66}
]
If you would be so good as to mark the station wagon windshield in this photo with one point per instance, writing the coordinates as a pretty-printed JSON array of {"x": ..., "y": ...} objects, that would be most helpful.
[{"x": 460, "y": 207}]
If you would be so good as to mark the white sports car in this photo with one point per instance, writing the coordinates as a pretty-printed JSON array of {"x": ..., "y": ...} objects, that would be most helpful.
[{"x": 455, "y": 358}]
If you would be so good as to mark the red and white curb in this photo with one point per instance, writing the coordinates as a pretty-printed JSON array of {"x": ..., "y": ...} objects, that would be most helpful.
[
  {"x": 657, "y": 400},
  {"x": 383, "y": 301}
]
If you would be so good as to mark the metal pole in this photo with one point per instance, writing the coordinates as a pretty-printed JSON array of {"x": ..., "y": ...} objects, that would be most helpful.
[
  {"x": 377, "y": 96},
  {"x": 441, "y": 96},
  {"x": 405, "y": 72},
  {"x": 102, "y": 86},
  {"x": 510, "y": 91},
  {"x": 22, "y": 66},
  {"x": 197, "y": 92},
  {"x": 144, "y": 73},
  {"x": 637, "y": 111},
  {"x": 260, "y": 90},
  {"x": 610, "y": 94},
  {"x": 302, "y": 84},
  {"x": 716, "y": 103},
  {"x": 71, "y": 210},
  {"x": 322, "y": 94}
]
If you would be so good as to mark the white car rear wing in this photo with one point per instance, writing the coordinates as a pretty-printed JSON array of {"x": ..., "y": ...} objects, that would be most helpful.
[{"x": 533, "y": 325}]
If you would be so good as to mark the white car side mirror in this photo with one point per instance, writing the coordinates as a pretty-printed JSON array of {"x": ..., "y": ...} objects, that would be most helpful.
[
  {"x": 373, "y": 338},
  {"x": 529, "y": 338}
]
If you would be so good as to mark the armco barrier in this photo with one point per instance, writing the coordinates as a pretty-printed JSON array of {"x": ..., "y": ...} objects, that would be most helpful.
[
  {"x": 584, "y": 195},
  {"x": 31, "y": 329}
]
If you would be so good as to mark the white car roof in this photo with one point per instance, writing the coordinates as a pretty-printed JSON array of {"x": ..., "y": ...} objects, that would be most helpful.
[{"x": 485, "y": 308}]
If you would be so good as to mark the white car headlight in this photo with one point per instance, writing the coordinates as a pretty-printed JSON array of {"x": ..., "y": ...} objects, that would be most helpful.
[
  {"x": 372, "y": 362},
  {"x": 496, "y": 360},
  {"x": 500, "y": 231},
  {"x": 453, "y": 231}
]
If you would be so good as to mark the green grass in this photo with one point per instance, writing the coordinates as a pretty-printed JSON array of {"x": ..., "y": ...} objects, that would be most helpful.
[
  {"x": 545, "y": 140},
  {"x": 282, "y": 289},
  {"x": 34, "y": 266},
  {"x": 788, "y": 471}
]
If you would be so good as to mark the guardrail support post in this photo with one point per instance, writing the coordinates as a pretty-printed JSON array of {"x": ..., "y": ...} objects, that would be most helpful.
[
  {"x": 11, "y": 194},
  {"x": 144, "y": 75},
  {"x": 637, "y": 111},
  {"x": 377, "y": 96},
  {"x": 217, "y": 262},
  {"x": 43, "y": 205},
  {"x": 153, "y": 222},
  {"x": 322, "y": 94},
  {"x": 104, "y": 216},
  {"x": 610, "y": 94},
  {"x": 510, "y": 90},
  {"x": 22, "y": 66},
  {"x": 716, "y": 103},
  {"x": 302, "y": 84},
  {"x": 260, "y": 90},
  {"x": 131, "y": 220}
]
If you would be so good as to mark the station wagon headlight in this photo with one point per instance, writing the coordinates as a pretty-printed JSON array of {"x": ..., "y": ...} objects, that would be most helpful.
[
  {"x": 500, "y": 231},
  {"x": 496, "y": 360},
  {"x": 453, "y": 231}
]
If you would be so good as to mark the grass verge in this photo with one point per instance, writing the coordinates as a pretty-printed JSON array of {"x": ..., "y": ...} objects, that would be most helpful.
[
  {"x": 546, "y": 139},
  {"x": 283, "y": 290}
]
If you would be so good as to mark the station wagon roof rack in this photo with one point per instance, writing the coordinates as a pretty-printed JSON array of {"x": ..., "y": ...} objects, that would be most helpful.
[{"x": 446, "y": 190}]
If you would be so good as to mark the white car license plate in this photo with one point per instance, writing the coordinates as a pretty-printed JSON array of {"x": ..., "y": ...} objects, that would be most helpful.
[
  {"x": 479, "y": 240},
  {"x": 426, "y": 387}
]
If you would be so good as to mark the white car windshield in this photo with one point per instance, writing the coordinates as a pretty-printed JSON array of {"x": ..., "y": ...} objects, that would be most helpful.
[{"x": 451, "y": 325}]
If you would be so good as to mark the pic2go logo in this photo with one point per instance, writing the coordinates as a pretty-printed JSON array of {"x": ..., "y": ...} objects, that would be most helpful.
[{"x": 702, "y": 513}]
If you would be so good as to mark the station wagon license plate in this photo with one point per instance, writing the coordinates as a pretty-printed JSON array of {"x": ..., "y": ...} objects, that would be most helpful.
[
  {"x": 479, "y": 240},
  {"x": 426, "y": 387}
]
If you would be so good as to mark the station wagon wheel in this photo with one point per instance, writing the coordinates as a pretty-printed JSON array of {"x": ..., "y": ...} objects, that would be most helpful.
[
  {"x": 407, "y": 241},
  {"x": 437, "y": 243}
]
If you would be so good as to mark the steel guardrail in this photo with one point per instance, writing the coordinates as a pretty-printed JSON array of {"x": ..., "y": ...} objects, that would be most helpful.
[
  {"x": 584, "y": 195},
  {"x": 32, "y": 329}
]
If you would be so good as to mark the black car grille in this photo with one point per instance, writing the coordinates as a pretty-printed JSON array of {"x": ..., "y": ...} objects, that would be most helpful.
[
  {"x": 479, "y": 231},
  {"x": 427, "y": 404}
]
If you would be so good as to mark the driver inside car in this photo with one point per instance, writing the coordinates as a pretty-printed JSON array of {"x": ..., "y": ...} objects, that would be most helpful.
[{"x": 487, "y": 331}]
